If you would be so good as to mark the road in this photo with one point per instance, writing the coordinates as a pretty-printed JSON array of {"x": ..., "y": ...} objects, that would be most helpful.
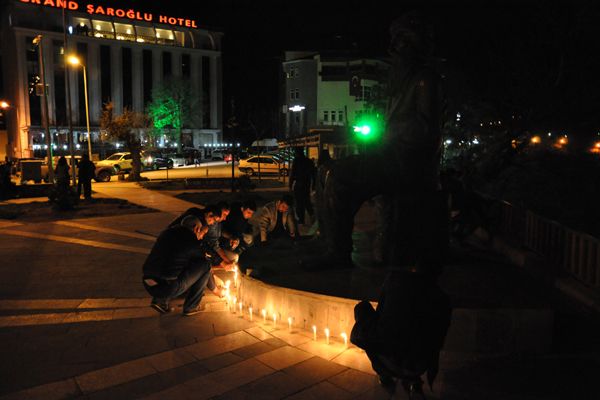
[{"x": 217, "y": 169}]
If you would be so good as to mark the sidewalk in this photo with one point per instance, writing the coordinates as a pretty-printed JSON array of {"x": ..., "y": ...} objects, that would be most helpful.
[
  {"x": 132, "y": 192},
  {"x": 75, "y": 322}
]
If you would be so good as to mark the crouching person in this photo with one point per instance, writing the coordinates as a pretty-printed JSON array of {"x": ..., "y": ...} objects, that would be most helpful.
[{"x": 177, "y": 264}]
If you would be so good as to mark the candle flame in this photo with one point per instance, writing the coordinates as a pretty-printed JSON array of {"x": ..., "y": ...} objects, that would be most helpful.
[{"x": 345, "y": 337}]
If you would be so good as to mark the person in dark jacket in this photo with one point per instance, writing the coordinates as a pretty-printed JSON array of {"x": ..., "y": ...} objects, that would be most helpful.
[
  {"x": 87, "y": 172},
  {"x": 208, "y": 217},
  {"x": 237, "y": 227},
  {"x": 177, "y": 264},
  {"x": 302, "y": 178}
]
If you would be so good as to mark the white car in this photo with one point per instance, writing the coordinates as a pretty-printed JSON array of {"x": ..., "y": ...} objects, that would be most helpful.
[
  {"x": 268, "y": 165},
  {"x": 119, "y": 161}
]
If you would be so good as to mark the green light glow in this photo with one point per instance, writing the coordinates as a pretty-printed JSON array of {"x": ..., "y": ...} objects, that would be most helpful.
[{"x": 368, "y": 127}]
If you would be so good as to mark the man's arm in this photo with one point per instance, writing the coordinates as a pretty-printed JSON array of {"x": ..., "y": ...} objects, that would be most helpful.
[{"x": 264, "y": 223}]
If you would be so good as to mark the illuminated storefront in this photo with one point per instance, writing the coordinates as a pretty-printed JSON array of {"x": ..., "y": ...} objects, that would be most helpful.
[{"x": 127, "y": 53}]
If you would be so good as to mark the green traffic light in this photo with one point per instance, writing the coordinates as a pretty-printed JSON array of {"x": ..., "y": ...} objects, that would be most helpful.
[
  {"x": 363, "y": 130},
  {"x": 369, "y": 127}
]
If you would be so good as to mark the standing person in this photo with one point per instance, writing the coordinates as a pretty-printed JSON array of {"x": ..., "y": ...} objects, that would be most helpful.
[
  {"x": 86, "y": 172},
  {"x": 61, "y": 172},
  {"x": 177, "y": 264},
  {"x": 324, "y": 165},
  {"x": 275, "y": 220},
  {"x": 302, "y": 178}
]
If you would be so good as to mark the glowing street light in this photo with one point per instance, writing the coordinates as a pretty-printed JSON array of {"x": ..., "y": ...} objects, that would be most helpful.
[{"x": 75, "y": 61}]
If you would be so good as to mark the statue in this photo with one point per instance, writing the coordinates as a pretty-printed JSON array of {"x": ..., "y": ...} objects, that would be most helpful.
[
  {"x": 404, "y": 335},
  {"x": 403, "y": 168}
]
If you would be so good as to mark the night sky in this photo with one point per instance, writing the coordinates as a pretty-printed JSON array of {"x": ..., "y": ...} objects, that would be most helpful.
[{"x": 539, "y": 59}]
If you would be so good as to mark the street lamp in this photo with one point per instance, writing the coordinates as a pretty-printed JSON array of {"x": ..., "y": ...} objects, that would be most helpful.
[
  {"x": 73, "y": 60},
  {"x": 38, "y": 41}
]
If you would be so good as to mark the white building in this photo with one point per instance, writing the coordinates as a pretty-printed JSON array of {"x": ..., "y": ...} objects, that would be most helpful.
[
  {"x": 126, "y": 52},
  {"x": 325, "y": 89}
]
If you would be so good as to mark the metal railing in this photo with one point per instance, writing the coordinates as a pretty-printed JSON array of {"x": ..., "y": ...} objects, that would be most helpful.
[{"x": 576, "y": 253}]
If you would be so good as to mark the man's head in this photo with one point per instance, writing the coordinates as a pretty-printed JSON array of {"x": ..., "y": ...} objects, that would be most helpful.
[
  {"x": 210, "y": 215},
  {"x": 222, "y": 211},
  {"x": 193, "y": 224},
  {"x": 284, "y": 203},
  {"x": 248, "y": 208}
]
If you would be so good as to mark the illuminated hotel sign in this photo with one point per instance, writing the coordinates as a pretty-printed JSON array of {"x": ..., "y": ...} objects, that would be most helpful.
[{"x": 116, "y": 12}]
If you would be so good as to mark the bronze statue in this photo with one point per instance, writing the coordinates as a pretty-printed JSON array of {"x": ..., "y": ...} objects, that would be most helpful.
[
  {"x": 403, "y": 168},
  {"x": 404, "y": 335}
]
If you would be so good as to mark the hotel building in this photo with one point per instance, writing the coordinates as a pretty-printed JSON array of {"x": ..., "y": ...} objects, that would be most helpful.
[{"x": 126, "y": 53}]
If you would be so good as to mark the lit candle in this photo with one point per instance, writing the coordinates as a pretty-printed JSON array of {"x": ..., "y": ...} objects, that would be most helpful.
[
  {"x": 290, "y": 319},
  {"x": 345, "y": 337},
  {"x": 264, "y": 314},
  {"x": 241, "y": 308},
  {"x": 227, "y": 284},
  {"x": 250, "y": 311},
  {"x": 275, "y": 320},
  {"x": 235, "y": 276},
  {"x": 327, "y": 334},
  {"x": 314, "y": 332},
  {"x": 234, "y": 304}
]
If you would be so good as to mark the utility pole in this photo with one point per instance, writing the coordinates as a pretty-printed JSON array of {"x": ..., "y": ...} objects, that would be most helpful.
[
  {"x": 45, "y": 118},
  {"x": 69, "y": 111}
]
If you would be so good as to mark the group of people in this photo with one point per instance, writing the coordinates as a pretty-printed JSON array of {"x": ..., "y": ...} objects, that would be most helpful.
[
  {"x": 201, "y": 239},
  {"x": 86, "y": 171}
]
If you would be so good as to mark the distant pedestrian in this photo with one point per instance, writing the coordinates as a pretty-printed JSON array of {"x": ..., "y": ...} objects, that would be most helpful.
[
  {"x": 6, "y": 185},
  {"x": 61, "y": 173},
  {"x": 86, "y": 172},
  {"x": 323, "y": 167},
  {"x": 176, "y": 265},
  {"x": 302, "y": 178}
]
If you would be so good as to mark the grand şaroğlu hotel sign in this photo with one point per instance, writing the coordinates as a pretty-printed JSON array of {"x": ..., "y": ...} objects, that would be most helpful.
[{"x": 115, "y": 12}]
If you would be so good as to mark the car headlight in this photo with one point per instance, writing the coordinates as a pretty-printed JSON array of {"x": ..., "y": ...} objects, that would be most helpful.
[{"x": 149, "y": 159}]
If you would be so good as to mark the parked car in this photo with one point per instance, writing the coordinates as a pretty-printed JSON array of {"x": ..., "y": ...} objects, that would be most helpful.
[
  {"x": 192, "y": 155},
  {"x": 268, "y": 165},
  {"x": 155, "y": 160},
  {"x": 178, "y": 159},
  {"x": 119, "y": 161},
  {"x": 217, "y": 155},
  {"x": 103, "y": 173}
]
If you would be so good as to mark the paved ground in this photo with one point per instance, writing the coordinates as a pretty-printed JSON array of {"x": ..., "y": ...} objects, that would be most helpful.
[{"x": 75, "y": 323}]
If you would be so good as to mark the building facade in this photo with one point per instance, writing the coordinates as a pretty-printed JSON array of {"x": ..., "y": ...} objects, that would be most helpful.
[
  {"x": 126, "y": 53},
  {"x": 324, "y": 93}
]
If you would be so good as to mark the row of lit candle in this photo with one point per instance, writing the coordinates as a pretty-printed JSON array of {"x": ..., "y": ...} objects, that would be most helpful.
[{"x": 233, "y": 305}]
